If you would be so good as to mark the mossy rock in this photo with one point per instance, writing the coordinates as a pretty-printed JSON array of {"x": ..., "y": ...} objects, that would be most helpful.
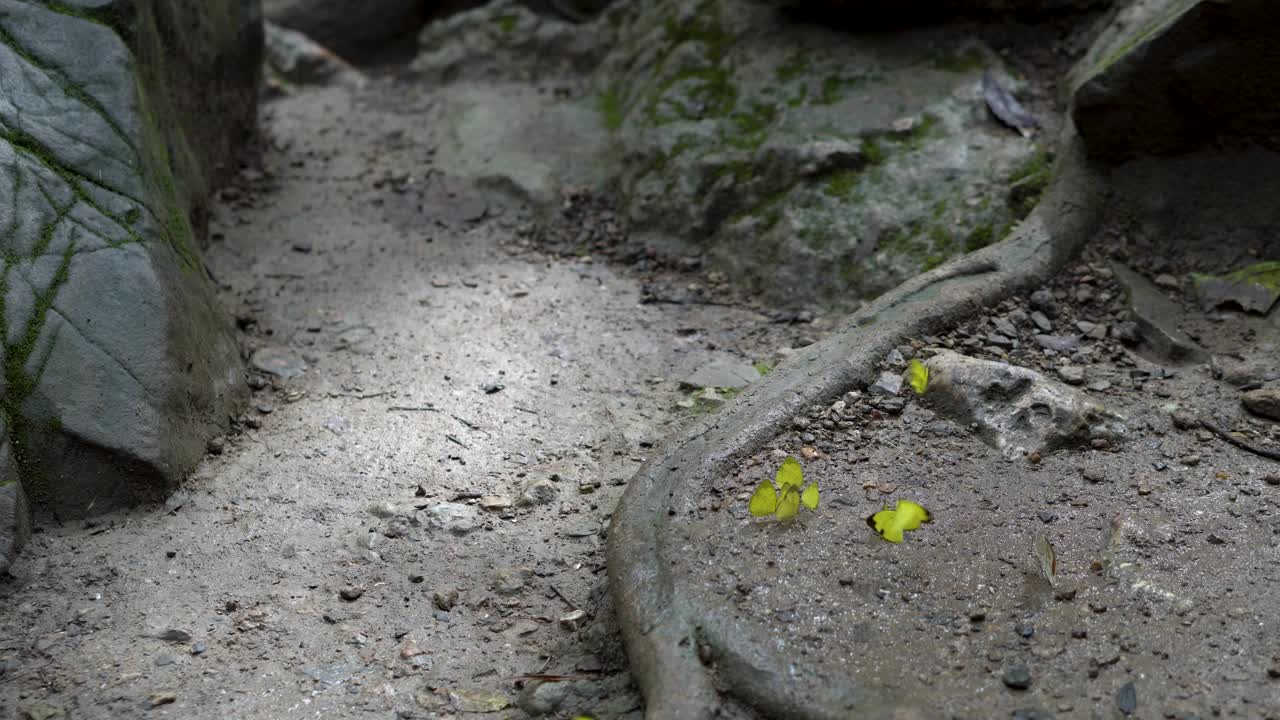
[
  {"x": 811, "y": 165},
  {"x": 118, "y": 362}
]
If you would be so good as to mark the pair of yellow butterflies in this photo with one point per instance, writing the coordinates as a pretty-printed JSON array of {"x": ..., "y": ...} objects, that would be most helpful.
[{"x": 785, "y": 500}]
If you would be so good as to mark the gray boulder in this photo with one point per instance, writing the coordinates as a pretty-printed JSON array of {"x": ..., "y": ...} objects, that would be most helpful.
[
  {"x": 115, "y": 119},
  {"x": 1170, "y": 76},
  {"x": 15, "y": 522},
  {"x": 811, "y": 164},
  {"x": 350, "y": 27},
  {"x": 296, "y": 59},
  {"x": 1017, "y": 410}
]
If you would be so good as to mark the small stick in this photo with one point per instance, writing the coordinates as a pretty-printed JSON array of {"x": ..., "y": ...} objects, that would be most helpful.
[
  {"x": 1222, "y": 433},
  {"x": 566, "y": 600},
  {"x": 413, "y": 408},
  {"x": 470, "y": 425},
  {"x": 359, "y": 396},
  {"x": 454, "y": 438}
]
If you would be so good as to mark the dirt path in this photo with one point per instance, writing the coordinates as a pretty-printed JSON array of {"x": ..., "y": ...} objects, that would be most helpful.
[{"x": 337, "y": 559}]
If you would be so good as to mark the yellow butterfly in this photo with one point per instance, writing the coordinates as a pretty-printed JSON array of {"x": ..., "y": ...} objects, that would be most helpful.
[
  {"x": 904, "y": 516},
  {"x": 785, "y": 501},
  {"x": 1048, "y": 558},
  {"x": 917, "y": 376}
]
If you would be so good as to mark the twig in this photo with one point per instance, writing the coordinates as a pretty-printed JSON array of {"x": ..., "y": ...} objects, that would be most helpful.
[
  {"x": 454, "y": 439},
  {"x": 469, "y": 424},
  {"x": 359, "y": 396},
  {"x": 1222, "y": 433},
  {"x": 525, "y": 410},
  {"x": 555, "y": 678},
  {"x": 566, "y": 600},
  {"x": 413, "y": 408}
]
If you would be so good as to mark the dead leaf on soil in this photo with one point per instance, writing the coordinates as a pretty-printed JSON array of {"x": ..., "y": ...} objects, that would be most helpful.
[{"x": 1006, "y": 107}]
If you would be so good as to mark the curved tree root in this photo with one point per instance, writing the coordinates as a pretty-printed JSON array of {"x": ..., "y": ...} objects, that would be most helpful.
[{"x": 661, "y": 629}]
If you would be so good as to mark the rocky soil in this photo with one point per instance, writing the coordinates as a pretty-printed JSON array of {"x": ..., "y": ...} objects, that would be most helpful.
[{"x": 1167, "y": 533}]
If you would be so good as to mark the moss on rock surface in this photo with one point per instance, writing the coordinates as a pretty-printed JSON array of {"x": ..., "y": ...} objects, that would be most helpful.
[
  {"x": 118, "y": 363},
  {"x": 813, "y": 166}
]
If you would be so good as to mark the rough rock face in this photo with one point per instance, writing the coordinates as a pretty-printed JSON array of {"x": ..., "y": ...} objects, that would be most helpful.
[
  {"x": 295, "y": 59},
  {"x": 1169, "y": 76},
  {"x": 811, "y": 164},
  {"x": 349, "y": 27},
  {"x": 915, "y": 11},
  {"x": 829, "y": 165},
  {"x": 1017, "y": 410},
  {"x": 15, "y": 521},
  {"x": 119, "y": 365}
]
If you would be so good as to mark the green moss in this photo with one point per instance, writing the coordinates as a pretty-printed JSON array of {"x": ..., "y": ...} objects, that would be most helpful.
[
  {"x": 751, "y": 129},
  {"x": 1028, "y": 183},
  {"x": 797, "y": 64},
  {"x": 763, "y": 368},
  {"x": 923, "y": 131},
  {"x": 692, "y": 95},
  {"x": 506, "y": 23},
  {"x": 873, "y": 151},
  {"x": 830, "y": 92},
  {"x": 612, "y": 110},
  {"x": 967, "y": 60},
  {"x": 940, "y": 249},
  {"x": 979, "y": 237},
  {"x": 841, "y": 184}
]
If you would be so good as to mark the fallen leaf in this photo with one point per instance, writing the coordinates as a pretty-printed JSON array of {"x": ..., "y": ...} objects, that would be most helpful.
[{"x": 1006, "y": 107}]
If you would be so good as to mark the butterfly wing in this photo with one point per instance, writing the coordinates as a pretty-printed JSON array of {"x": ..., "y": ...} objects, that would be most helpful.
[
  {"x": 883, "y": 523},
  {"x": 910, "y": 515},
  {"x": 764, "y": 500},
  {"x": 891, "y": 524},
  {"x": 1048, "y": 558},
  {"x": 809, "y": 498},
  {"x": 788, "y": 504},
  {"x": 790, "y": 474},
  {"x": 917, "y": 376}
]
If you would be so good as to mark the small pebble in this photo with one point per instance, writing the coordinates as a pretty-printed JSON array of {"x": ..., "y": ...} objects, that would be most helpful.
[
  {"x": 445, "y": 600},
  {"x": 1190, "y": 460},
  {"x": 350, "y": 594},
  {"x": 1127, "y": 698},
  {"x": 1017, "y": 678},
  {"x": 199, "y": 648}
]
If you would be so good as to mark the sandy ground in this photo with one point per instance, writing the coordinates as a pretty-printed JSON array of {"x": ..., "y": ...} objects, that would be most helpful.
[{"x": 358, "y": 547}]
